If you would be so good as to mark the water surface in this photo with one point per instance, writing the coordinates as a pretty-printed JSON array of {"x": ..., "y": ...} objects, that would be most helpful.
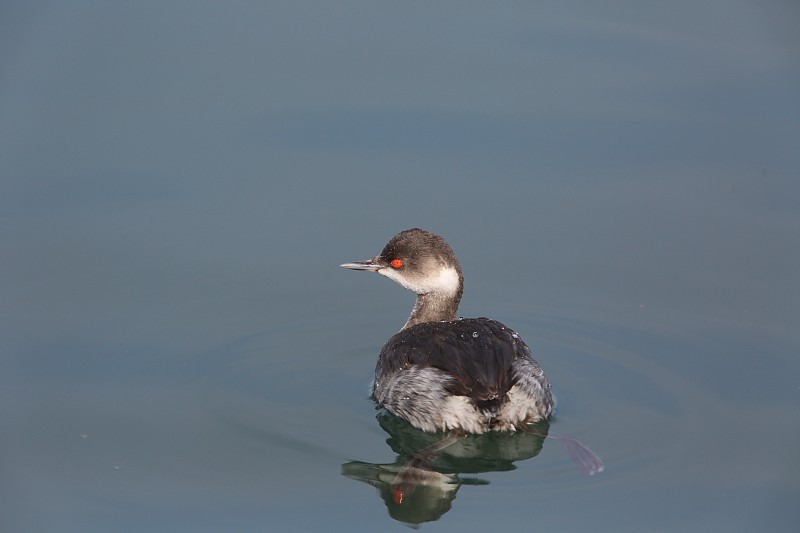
[{"x": 178, "y": 183}]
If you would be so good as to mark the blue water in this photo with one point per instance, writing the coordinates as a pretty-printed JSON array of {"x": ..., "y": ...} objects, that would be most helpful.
[{"x": 179, "y": 182}]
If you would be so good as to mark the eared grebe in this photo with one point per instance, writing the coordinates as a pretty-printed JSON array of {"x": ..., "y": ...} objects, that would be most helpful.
[{"x": 441, "y": 373}]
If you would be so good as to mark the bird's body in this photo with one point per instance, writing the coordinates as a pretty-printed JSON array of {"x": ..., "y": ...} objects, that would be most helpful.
[{"x": 441, "y": 373}]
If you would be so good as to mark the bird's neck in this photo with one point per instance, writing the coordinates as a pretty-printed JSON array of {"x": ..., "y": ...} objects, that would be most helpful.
[{"x": 434, "y": 307}]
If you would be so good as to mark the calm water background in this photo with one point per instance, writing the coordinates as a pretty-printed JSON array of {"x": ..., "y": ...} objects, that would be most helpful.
[{"x": 179, "y": 181}]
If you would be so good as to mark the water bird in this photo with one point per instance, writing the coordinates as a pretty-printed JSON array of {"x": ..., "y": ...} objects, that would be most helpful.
[{"x": 443, "y": 373}]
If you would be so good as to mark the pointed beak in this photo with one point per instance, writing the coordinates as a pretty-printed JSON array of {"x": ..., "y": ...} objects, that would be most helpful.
[{"x": 369, "y": 265}]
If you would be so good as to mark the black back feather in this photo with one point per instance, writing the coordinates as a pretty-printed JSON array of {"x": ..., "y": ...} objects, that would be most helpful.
[{"x": 476, "y": 352}]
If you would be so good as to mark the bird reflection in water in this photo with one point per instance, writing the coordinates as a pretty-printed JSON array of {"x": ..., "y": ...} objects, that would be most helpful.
[{"x": 422, "y": 483}]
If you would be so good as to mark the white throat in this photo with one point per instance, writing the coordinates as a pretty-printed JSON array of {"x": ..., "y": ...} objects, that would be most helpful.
[{"x": 445, "y": 282}]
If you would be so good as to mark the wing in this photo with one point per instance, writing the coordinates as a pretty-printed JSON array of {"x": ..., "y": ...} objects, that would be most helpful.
[{"x": 477, "y": 353}]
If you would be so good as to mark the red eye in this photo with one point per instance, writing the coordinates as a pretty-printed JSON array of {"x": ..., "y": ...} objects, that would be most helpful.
[{"x": 396, "y": 263}]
